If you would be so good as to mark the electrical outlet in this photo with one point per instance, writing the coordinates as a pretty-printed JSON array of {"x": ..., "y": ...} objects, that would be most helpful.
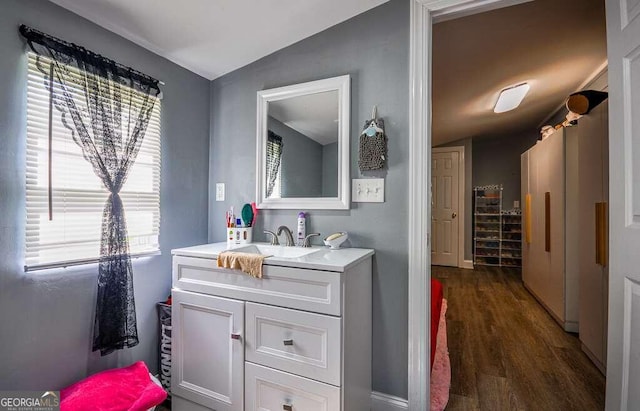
[
  {"x": 219, "y": 191},
  {"x": 367, "y": 190}
]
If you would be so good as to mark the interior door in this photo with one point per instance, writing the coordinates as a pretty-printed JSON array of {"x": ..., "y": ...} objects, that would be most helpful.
[
  {"x": 623, "y": 353},
  {"x": 208, "y": 350},
  {"x": 444, "y": 212}
]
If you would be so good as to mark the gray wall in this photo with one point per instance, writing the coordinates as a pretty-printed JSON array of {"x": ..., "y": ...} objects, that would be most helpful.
[
  {"x": 467, "y": 143},
  {"x": 497, "y": 161},
  {"x": 301, "y": 162},
  {"x": 46, "y": 318},
  {"x": 330, "y": 170},
  {"x": 374, "y": 49}
]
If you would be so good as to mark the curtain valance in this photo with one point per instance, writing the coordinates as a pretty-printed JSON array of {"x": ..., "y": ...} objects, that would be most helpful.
[{"x": 86, "y": 60}]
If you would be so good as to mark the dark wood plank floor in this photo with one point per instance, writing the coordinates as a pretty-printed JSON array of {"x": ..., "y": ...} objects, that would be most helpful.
[{"x": 506, "y": 351}]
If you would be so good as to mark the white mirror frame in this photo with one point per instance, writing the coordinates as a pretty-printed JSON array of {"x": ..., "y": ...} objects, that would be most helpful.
[{"x": 343, "y": 201}]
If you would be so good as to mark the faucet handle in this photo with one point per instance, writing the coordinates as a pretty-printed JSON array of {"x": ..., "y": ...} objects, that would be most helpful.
[
  {"x": 307, "y": 242},
  {"x": 274, "y": 237}
]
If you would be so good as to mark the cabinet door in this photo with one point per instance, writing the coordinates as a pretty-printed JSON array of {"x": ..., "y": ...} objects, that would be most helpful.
[
  {"x": 572, "y": 229},
  {"x": 555, "y": 180},
  {"x": 548, "y": 205},
  {"x": 208, "y": 354},
  {"x": 537, "y": 268},
  {"x": 593, "y": 153},
  {"x": 525, "y": 192}
]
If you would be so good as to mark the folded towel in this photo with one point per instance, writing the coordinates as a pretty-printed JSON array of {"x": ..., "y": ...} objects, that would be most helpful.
[
  {"x": 128, "y": 388},
  {"x": 247, "y": 262}
]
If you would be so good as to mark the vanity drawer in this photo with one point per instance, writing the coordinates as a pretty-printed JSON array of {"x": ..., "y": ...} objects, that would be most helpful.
[
  {"x": 301, "y": 343},
  {"x": 267, "y": 389},
  {"x": 309, "y": 290}
]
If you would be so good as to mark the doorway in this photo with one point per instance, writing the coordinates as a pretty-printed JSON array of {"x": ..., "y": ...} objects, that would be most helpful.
[{"x": 423, "y": 14}]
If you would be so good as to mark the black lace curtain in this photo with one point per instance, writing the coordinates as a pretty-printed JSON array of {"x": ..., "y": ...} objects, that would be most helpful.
[
  {"x": 108, "y": 124},
  {"x": 274, "y": 157}
]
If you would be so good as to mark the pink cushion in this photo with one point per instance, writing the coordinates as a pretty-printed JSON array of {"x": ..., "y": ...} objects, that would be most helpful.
[{"x": 120, "y": 389}]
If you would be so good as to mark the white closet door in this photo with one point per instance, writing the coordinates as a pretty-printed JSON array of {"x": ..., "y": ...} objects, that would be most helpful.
[
  {"x": 593, "y": 179},
  {"x": 551, "y": 222},
  {"x": 571, "y": 233},
  {"x": 537, "y": 281},
  {"x": 525, "y": 192}
]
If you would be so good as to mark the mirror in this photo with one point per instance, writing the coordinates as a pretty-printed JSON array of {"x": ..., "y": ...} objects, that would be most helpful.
[{"x": 303, "y": 146}]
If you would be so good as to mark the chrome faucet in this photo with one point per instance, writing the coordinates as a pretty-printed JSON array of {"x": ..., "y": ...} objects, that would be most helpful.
[
  {"x": 274, "y": 237},
  {"x": 288, "y": 235}
]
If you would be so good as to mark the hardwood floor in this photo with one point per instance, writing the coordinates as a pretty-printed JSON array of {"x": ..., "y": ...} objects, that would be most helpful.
[{"x": 506, "y": 351}]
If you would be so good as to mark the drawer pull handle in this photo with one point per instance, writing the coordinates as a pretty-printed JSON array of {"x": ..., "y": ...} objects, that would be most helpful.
[
  {"x": 288, "y": 342},
  {"x": 287, "y": 407},
  {"x": 235, "y": 336}
]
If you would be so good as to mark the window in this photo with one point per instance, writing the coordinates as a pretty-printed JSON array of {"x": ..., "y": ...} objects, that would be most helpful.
[
  {"x": 274, "y": 165},
  {"x": 78, "y": 196},
  {"x": 277, "y": 186}
]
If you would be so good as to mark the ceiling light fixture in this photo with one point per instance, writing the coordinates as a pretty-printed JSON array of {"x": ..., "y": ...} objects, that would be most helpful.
[{"x": 511, "y": 98}]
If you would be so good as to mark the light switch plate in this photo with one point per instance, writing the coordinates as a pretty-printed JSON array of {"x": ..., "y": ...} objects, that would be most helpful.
[
  {"x": 219, "y": 191},
  {"x": 367, "y": 190}
]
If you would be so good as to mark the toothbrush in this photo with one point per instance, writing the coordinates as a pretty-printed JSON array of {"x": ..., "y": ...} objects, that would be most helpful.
[{"x": 255, "y": 214}]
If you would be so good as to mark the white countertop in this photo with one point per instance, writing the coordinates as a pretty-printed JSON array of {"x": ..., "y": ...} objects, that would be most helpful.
[{"x": 324, "y": 259}]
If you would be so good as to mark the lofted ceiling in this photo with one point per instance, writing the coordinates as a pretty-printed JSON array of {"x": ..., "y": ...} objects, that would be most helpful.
[
  {"x": 214, "y": 37},
  {"x": 554, "y": 45},
  {"x": 313, "y": 115}
]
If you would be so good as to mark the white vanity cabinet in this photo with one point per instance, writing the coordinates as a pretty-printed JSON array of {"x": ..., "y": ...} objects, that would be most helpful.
[
  {"x": 208, "y": 350},
  {"x": 297, "y": 339}
]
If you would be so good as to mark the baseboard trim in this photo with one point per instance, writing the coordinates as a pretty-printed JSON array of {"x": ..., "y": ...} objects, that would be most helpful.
[
  {"x": 571, "y": 327},
  {"x": 467, "y": 264},
  {"x": 599, "y": 365},
  {"x": 568, "y": 326},
  {"x": 386, "y": 402}
]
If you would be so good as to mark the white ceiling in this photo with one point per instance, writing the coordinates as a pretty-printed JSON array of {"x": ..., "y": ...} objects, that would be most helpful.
[
  {"x": 554, "y": 45},
  {"x": 214, "y": 37},
  {"x": 313, "y": 115}
]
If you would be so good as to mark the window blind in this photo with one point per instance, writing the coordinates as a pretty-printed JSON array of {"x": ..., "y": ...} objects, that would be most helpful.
[{"x": 73, "y": 235}]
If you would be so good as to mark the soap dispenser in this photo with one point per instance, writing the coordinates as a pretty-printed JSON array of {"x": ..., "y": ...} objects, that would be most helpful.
[{"x": 302, "y": 229}]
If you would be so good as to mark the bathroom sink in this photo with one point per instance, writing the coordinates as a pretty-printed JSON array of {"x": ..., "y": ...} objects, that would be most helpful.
[{"x": 279, "y": 251}]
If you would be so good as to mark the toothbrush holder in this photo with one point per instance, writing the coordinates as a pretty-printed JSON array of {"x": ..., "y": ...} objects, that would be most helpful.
[{"x": 239, "y": 235}]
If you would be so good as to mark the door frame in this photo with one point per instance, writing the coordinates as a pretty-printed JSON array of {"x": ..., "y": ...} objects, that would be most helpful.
[
  {"x": 423, "y": 13},
  {"x": 461, "y": 199}
]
